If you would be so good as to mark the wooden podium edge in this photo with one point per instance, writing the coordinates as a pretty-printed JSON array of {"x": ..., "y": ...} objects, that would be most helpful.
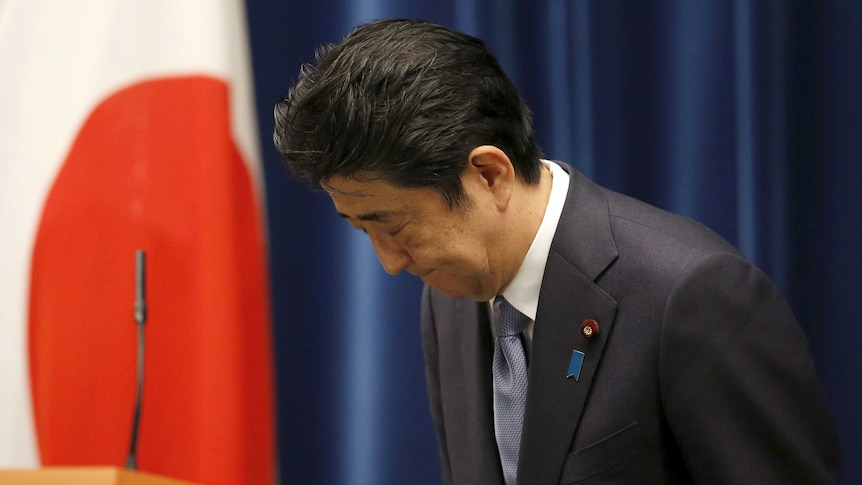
[{"x": 95, "y": 475}]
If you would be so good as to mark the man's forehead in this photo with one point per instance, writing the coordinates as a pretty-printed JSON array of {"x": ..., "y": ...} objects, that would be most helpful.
[
  {"x": 374, "y": 199},
  {"x": 364, "y": 200},
  {"x": 358, "y": 185},
  {"x": 344, "y": 189}
]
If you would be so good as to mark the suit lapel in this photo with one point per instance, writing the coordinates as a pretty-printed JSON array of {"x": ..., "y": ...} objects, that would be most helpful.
[
  {"x": 583, "y": 248},
  {"x": 468, "y": 394}
]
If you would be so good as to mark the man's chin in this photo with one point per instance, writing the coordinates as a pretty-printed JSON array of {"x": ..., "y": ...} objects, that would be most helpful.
[
  {"x": 452, "y": 290},
  {"x": 443, "y": 287}
]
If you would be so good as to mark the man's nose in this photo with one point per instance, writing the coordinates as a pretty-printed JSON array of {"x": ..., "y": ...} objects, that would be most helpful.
[{"x": 392, "y": 256}]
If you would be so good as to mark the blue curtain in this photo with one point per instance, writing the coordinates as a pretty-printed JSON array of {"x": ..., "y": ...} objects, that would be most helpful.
[{"x": 745, "y": 115}]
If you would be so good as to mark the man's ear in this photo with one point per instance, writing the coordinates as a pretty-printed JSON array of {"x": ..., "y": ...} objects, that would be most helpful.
[
  {"x": 495, "y": 171},
  {"x": 492, "y": 164}
]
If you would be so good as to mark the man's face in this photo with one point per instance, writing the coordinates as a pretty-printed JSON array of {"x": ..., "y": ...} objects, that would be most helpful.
[{"x": 415, "y": 230}]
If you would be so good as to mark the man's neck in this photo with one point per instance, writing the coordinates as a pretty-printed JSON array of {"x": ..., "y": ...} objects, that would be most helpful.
[{"x": 532, "y": 200}]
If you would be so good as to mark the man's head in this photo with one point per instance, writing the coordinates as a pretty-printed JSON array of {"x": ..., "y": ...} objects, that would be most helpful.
[
  {"x": 422, "y": 142},
  {"x": 404, "y": 101}
]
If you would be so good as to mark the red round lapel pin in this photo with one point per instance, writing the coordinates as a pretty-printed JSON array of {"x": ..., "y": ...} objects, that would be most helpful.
[{"x": 589, "y": 328}]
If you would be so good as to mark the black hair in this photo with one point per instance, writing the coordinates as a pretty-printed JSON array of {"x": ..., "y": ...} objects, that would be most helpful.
[{"x": 404, "y": 101}]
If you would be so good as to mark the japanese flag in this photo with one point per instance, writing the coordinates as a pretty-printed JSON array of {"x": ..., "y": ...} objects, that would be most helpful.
[{"x": 124, "y": 126}]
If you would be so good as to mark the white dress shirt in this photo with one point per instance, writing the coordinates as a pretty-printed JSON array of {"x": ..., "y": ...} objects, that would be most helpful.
[{"x": 523, "y": 292}]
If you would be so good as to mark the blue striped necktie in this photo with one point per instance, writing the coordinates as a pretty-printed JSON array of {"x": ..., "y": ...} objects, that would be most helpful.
[{"x": 510, "y": 384}]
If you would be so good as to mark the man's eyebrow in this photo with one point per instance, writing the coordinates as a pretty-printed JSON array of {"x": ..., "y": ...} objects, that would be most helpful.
[{"x": 371, "y": 216}]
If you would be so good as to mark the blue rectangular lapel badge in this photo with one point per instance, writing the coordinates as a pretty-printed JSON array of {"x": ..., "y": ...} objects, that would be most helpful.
[{"x": 575, "y": 365}]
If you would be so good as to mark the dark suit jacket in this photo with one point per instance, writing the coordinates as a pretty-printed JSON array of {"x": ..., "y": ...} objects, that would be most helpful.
[{"x": 699, "y": 373}]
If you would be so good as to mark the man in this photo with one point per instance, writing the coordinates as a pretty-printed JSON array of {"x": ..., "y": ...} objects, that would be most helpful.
[{"x": 647, "y": 349}]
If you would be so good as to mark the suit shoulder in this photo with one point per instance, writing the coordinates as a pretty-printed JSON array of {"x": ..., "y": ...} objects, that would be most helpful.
[{"x": 634, "y": 219}]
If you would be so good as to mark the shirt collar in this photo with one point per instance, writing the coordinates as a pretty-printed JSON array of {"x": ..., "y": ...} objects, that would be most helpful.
[{"x": 523, "y": 292}]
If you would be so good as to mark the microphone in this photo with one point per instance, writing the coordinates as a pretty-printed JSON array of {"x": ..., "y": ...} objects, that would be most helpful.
[{"x": 140, "y": 319}]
